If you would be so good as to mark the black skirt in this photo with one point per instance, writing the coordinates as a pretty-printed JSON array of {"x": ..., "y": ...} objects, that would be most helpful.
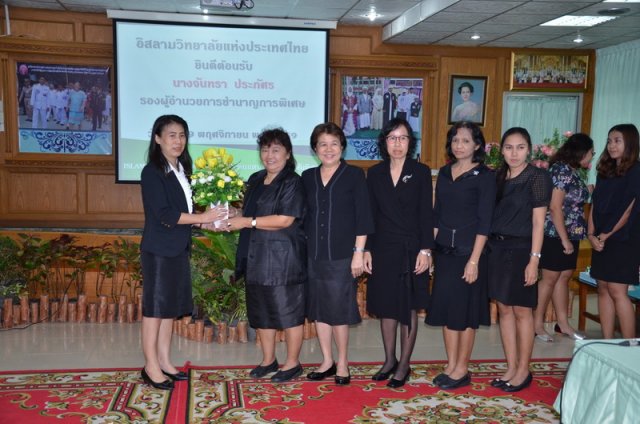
[
  {"x": 275, "y": 307},
  {"x": 619, "y": 261},
  {"x": 331, "y": 293},
  {"x": 554, "y": 258},
  {"x": 507, "y": 262},
  {"x": 166, "y": 285},
  {"x": 455, "y": 303}
]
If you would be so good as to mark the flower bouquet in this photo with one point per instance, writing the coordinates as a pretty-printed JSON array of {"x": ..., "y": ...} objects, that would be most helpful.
[
  {"x": 215, "y": 181},
  {"x": 493, "y": 158}
]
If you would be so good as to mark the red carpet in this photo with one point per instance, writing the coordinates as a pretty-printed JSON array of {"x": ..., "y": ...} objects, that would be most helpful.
[{"x": 228, "y": 395}]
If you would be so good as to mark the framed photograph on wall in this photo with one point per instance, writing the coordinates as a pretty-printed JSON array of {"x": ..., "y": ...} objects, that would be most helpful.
[
  {"x": 548, "y": 72},
  {"x": 467, "y": 99},
  {"x": 64, "y": 109},
  {"x": 369, "y": 102}
]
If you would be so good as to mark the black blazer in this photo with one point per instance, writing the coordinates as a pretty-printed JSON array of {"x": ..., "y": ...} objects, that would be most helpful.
[{"x": 163, "y": 201}]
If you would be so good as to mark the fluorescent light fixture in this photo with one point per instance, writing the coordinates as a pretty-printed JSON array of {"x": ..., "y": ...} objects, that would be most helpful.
[
  {"x": 578, "y": 21},
  {"x": 621, "y": 1},
  {"x": 475, "y": 37}
]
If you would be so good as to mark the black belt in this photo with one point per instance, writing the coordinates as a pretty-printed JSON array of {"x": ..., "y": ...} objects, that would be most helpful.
[{"x": 506, "y": 237}]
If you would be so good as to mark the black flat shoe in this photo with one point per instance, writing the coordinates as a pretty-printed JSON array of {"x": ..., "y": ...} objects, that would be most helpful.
[
  {"x": 496, "y": 382},
  {"x": 260, "y": 371},
  {"x": 179, "y": 376},
  {"x": 317, "y": 375},
  {"x": 286, "y": 375},
  {"x": 380, "y": 376},
  {"x": 508, "y": 387},
  {"x": 163, "y": 385},
  {"x": 439, "y": 378},
  {"x": 342, "y": 381},
  {"x": 394, "y": 383},
  {"x": 450, "y": 383}
]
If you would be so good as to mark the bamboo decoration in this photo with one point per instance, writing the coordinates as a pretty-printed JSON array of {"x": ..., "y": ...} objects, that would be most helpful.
[
  {"x": 233, "y": 335},
  {"x": 306, "y": 330},
  {"x": 82, "y": 308},
  {"x": 24, "y": 309},
  {"x": 222, "y": 333},
  {"x": 102, "y": 310},
  {"x": 16, "y": 314},
  {"x": 55, "y": 311},
  {"x": 44, "y": 308},
  {"x": 191, "y": 331},
  {"x": 7, "y": 313},
  {"x": 72, "y": 309},
  {"x": 199, "y": 330},
  {"x": 314, "y": 334},
  {"x": 122, "y": 309},
  {"x": 208, "y": 334},
  {"x": 243, "y": 335},
  {"x": 131, "y": 310},
  {"x": 139, "y": 305},
  {"x": 35, "y": 308},
  {"x": 176, "y": 326},
  {"x": 111, "y": 312},
  {"x": 64, "y": 309},
  {"x": 93, "y": 312}
]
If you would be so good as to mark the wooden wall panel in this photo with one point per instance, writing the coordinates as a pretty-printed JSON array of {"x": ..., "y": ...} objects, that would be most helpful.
[
  {"x": 49, "y": 31},
  {"x": 104, "y": 196},
  {"x": 29, "y": 192},
  {"x": 98, "y": 33}
]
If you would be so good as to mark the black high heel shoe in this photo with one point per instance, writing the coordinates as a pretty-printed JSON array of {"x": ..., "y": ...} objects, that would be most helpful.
[
  {"x": 394, "y": 383},
  {"x": 163, "y": 385},
  {"x": 179, "y": 376},
  {"x": 380, "y": 376}
]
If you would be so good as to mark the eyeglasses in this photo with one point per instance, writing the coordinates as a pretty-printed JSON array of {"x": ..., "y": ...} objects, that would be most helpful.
[{"x": 396, "y": 138}]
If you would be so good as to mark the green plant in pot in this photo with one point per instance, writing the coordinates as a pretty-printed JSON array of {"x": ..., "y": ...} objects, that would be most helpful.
[
  {"x": 13, "y": 279},
  {"x": 216, "y": 292}
]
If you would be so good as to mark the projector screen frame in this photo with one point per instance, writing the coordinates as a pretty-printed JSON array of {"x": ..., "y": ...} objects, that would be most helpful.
[{"x": 116, "y": 82}]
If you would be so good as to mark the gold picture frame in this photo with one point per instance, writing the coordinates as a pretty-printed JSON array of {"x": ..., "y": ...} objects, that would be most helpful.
[{"x": 549, "y": 72}]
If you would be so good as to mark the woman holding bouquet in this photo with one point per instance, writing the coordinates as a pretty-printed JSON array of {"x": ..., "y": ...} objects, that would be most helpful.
[
  {"x": 272, "y": 254},
  {"x": 337, "y": 222},
  {"x": 165, "y": 246}
]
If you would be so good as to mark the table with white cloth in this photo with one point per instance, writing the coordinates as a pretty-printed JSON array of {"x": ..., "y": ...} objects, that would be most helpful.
[{"x": 602, "y": 384}]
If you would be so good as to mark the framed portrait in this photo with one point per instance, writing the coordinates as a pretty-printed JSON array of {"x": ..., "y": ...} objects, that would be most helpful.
[
  {"x": 369, "y": 102},
  {"x": 64, "y": 109},
  {"x": 467, "y": 99},
  {"x": 549, "y": 72}
]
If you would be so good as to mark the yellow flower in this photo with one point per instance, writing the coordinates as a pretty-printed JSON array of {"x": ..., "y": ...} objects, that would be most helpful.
[
  {"x": 201, "y": 163},
  {"x": 232, "y": 173},
  {"x": 212, "y": 162},
  {"x": 210, "y": 153},
  {"x": 240, "y": 183},
  {"x": 222, "y": 151},
  {"x": 220, "y": 183},
  {"x": 228, "y": 159}
]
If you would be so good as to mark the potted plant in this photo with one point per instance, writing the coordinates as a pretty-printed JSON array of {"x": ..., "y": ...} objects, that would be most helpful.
[{"x": 13, "y": 283}]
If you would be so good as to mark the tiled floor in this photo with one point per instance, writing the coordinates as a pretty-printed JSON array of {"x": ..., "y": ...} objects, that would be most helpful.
[{"x": 64, "y": 346}]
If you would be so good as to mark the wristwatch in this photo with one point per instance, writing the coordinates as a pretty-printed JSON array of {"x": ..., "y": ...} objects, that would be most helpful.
[{"x": 254, "y": 222}]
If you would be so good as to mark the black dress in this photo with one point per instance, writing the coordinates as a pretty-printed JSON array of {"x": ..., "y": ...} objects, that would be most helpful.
[
  {"x": 620, "y": 259},
  {"x": 336, "y": 214},
  {"x": 463, "y": 209},
  {"x": 510, "y": 239},
  {"x": 273, "y": 263},
  {"x": 403, "y": 217}
]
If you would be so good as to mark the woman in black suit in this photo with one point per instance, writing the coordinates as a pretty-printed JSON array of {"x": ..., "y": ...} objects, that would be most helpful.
[
  {"x": 399, "y": 253},
  {"x": 166, "y": 242},
  {"x": 272, "y": 253}
]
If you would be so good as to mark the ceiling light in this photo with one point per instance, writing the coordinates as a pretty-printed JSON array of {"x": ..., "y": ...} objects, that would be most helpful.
[
  {"x": 614, "y": 11},
  {"x": 621, "y": 1},
  {"x": 372, "y": 15},
  {"x": 578, "y": 39},
  {"x": 578, "y": 21},
  {"x": 475, "y": 37}
]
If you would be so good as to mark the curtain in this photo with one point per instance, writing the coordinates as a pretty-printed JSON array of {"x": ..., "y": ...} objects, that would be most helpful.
[
  {"x": 617, "y": 92},
  {"x": 541, "y": 114}
]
